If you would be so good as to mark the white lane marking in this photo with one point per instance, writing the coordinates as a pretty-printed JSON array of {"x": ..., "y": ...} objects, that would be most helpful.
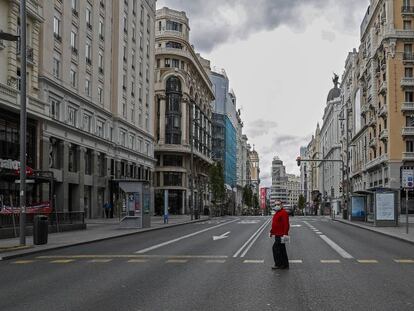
[
  {"x": 252, "y": 237},
  {"x": 219, "y": 237},
  {"x": 336, "y": 247},
  {"x": 99, "y": 260},
  {"x": 137, "y": 260},
  {"x": 318, "y": 232},
  {"x": 296, "y": 261},
  {"x": 295, "y": 226},
  {"x": 254, "y": 240},
  {"x": 331, "y": 261},
  {"x": 177, "y": 261},
  {"x": 249, "y": 222},
  {"x": 145, "y": 250},
  {"x": 367, "y": 261},
  {"x": 404, "y": 261},
  {"x": 253, "y": 261},
  {"x": 215, "y": 261}
]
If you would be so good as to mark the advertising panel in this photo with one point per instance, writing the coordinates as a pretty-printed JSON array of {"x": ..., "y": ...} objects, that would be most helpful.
[
  {"x": 358, "y": 206},
  {"x": 385, "y": 205}
]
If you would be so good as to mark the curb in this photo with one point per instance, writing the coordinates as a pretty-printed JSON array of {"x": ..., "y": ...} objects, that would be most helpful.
[
  {"x": 35, "y": 251},
  {"x": 379, "y": 232}
]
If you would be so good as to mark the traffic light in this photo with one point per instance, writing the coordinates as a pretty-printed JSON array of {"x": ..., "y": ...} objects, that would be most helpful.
[{"x": 298, "y": 159}]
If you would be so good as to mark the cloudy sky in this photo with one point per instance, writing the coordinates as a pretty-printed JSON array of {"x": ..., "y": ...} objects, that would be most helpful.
[{"x": 280, "y": 56}]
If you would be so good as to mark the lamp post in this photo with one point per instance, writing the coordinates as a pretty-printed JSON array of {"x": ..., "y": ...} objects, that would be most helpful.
[{"x": 23, "y": 115}]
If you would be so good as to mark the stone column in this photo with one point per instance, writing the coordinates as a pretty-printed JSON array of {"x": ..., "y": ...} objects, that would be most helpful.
[
  {"x": 45, "y": 165},
  {"x": 162, "y": 121},
  {"x": 184, "y": 123},
  {"x": 62, "y": 195},
  {"x": 96, "y": 209},
  {"x": 80, "y": 192}
]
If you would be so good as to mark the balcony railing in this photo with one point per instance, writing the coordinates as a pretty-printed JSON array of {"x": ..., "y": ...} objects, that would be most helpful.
[
  {"x": 376, "y": 161},
  {"x": 407, "y": 107},
  {"x": 383, "y": 111},
  {"x": 408, "y": 131},
  {"x": 407, "y": 9},
  {"x": 408, "y": 57},
  {"x": 384, "y": 134},
  {"x": 407, "y": 82},
  {"x": 408, "y": 156}
]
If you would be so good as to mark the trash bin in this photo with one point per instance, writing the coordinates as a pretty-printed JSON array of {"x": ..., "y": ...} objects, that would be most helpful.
[{"x": 40, "y": 229}]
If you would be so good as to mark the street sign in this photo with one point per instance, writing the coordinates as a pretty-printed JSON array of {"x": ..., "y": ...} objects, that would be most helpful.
[{"x": 407, "y": 178}]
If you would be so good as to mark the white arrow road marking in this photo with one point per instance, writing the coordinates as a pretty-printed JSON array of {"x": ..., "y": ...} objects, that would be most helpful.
[
  {"x": 145, "y": 250},
  {"x": 219, "y": 237},
  {"x": 336, "y": 247}
]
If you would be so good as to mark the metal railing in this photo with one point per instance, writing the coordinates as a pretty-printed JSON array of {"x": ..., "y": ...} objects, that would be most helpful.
[
  {"x": 407, "y": 9},
  {"x": 55, "y": 218}
]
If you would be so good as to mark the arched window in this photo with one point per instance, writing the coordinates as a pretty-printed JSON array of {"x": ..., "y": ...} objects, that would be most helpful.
[{"x": 173, "y": 111}]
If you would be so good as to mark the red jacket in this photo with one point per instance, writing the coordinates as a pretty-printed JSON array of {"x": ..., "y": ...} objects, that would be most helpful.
[{"x": 280, "y": 223}]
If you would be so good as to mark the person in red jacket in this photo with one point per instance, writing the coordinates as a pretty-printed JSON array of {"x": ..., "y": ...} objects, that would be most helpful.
[{"x": 280, "y": 227}]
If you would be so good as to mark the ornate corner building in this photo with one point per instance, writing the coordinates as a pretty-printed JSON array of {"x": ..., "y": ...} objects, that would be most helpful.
[{"x": 182, "y": 118}]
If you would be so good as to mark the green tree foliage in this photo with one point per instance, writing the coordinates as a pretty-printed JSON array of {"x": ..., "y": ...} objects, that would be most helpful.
[{"x": 247, "y": 196}]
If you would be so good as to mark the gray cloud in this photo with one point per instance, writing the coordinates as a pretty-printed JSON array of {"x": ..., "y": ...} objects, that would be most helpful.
[
  {"x": 215, "y": 22},
  {"x": 260, "y": 127}
]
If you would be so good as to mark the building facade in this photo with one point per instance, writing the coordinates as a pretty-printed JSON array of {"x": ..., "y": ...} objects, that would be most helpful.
[
  {"x": 91, "y": 71},
  {"x": 293, "y": 190},
  {"x": 255, "y": 172},
  {"x": 182, "y": 119},
  {"x": 279, "y": 191}
]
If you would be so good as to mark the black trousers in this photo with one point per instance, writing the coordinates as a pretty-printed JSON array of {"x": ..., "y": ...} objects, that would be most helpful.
[{"x": 279, "y": 253}]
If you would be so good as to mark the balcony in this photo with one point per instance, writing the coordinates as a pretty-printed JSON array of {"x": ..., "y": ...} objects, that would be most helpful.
[
  {"x": 383, "y": 111},
  {"x": 408, "y": 57},
  {"x": 383, "y": 87},
  {"x": 407, "y": 10},
  {"x": 408, "y": 131},
  {"x": 384, "y": 135},
  {"x": 407, "y": 82},
  {"x": 376, "y": 162},
  {"x": 408, "y": 156},
  {"x": 407, "y": 107},
  {"x": 373, "y": 143}
]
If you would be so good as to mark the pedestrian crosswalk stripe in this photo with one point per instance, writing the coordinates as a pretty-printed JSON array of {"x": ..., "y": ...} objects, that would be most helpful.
[
  {"x": 138, "y": 260},
  {"x": 404, "y": 260},
  {"x": 100, "y": 260},
  {"x": 367, "y": 261},
  {"x": 177, "y": 261},
  {"x": 215, "y": 261},
  {"x": 331, "y": 261},
  {"x": 253, "y": 261},
  {"x": 296, "y": 261},
  {"x": 62, "y": 261},
  {"x": 22, "y": 262}
]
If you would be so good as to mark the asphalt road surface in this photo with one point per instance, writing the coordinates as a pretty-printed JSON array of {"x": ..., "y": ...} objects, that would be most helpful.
[{"x": 222, "y": 264}]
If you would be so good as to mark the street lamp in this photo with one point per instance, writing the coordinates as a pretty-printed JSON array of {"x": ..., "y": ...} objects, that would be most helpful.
[{"x": 23, "y": 115}]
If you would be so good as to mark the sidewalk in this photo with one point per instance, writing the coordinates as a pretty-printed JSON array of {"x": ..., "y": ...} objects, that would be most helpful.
[
  {"x": 394, "y": 232},
  {"x": 97, "y": 230}
]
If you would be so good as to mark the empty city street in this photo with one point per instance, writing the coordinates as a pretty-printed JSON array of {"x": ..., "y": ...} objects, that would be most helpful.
[{"x": 221, "y": 264}]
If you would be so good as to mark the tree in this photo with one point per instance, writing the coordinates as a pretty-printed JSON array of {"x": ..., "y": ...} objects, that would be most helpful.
[
  {"x": 256, "y": 204},
  {"x": 247, "y": 196},
  {"x": 218, "y": 189},
  {"x": 301, "y": 202}
]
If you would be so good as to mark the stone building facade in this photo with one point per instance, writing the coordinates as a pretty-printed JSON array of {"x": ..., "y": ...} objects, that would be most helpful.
[{"x": 182, "y": 119}]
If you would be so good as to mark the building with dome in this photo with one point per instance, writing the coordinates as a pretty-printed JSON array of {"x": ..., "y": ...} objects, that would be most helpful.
[{"x": 330, "y": 173}]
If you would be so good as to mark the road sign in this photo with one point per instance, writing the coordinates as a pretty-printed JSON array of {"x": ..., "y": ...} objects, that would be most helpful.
[{"x": 407, "y": 178}]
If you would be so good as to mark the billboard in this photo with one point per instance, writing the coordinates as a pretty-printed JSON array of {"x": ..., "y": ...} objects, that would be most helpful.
[
  {"x": 358, "y": 206},
  {"x": 263, "y": 197}
]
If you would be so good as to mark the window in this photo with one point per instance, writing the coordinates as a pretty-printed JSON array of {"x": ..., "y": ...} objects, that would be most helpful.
[
  {"x": 175, "y": 63},
  {"x": 125, "y": 23},
  {"x": 131, "y": 141},
  {"x": 167, "y": 62},
  {"x": 88, "y": 86},
  {"x": 55, "y": 109},
  {"x": 73, "y": 40},
  {"x": 173, "y": 45},
  {"x": 124, "y": 81},
  {"x": 140, "y": 68},
  {"x": 173, "y": 160},
  {"x": 74, "y": 4},
  {"x": 89, "y": 17},
  {"x": 148, "y": 23},
  {"x": 174, "y": 26},
  {"x": 56, "y": 27},
  {"x": 134, "y": 33},
  {"x": 133, "y": 59},
  {"x": 87, "y": 122},
  {"x": 147, "y": 73},
  {"x": 147, "y": 122},
  {"x": 122, "y": 138},
  {"x": 100, "y": 94},
  {"x": 409, "y": 146},
  {"x": 142, "y": 15},
  {"x": 56, "y": 67},
  {"x": 125, "y": 53},
  {"x": 408, "y": 51},
  {"x": 133, "y": 88},
  {"x": 72, "y": 112},
  {"x": 132, "y": 113},
  {"x": 407, "y": 25},
  {"x": 101, "y": 29},
  {"x": 100, "y": 128},
  {"x": 409, "y": 98},
  {"x": 408, "y": 72},
  {"x": 124, "y": 110},
  {"x": 73, "y": 78},
  {"x": 88, "y": 52},
  {"x": 173, "y": 111},
  {"x": 101, "y": 62},
  {"x": 140, "y": 40},
  {"x": 148, "y": 48}
]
